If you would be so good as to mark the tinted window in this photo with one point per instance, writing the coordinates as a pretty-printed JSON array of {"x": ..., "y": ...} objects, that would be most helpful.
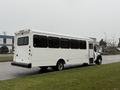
[
  {"x": 39, "y": 41},
  {"x": 53, "y": 42},
  {"x": 23, "y": 41},
  {"x": 74, "y": 44},
  {"x": 83, "y": 44},
  {"x": 64, "y": 43},
  {"x": 90, "y": 46},
  {"x": 4, "y": 40}
]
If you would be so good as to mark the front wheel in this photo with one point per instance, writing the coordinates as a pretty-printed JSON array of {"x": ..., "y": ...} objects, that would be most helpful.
[{"x": 98, "y": 61}]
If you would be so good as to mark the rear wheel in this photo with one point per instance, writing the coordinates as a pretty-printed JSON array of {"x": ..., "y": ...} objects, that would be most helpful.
[
  {"x": 60, "y": 66},
  {"x": 44, "y": 68},
  {"x": 85, "y": 64}
]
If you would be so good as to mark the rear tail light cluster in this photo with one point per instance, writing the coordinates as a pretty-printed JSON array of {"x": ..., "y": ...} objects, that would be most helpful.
[{"x": 30, "y": 50}]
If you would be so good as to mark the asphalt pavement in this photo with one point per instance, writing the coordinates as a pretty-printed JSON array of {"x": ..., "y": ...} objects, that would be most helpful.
[{"x": 9, "y": 72}]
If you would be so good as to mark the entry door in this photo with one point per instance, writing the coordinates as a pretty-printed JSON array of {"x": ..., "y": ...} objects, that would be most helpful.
[{"x": 91, "y": 50}]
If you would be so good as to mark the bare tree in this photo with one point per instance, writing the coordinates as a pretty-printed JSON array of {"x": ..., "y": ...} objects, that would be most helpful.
[
  {"x": 119, "y": 43},
  {"x": 112, "y": 42}
]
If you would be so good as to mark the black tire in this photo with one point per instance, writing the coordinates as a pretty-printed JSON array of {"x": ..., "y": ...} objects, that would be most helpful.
[
  {"x": 60, "y": 66},
  {"x": 98, "y": 61},
  {"x": 85, "y": 64}
]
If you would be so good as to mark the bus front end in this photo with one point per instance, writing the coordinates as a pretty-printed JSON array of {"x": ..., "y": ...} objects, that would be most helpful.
[{"x": 22, "y": 49}]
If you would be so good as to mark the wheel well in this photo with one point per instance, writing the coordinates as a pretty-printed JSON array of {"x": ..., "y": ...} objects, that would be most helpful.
[{"x": 61, "y": 60}]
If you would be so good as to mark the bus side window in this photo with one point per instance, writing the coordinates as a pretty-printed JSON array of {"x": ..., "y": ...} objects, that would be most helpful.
[
  {"x": 64, "y": 43},
  {"x": 90, "y": 46},
  {"x": 82, "y": 44},
  {"x": 40, "y": 41},
  {"x": 53, "y": 42},
  {"x": 74, "y": 44}
]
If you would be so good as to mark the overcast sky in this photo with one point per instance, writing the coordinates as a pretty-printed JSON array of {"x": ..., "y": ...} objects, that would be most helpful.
[{"x": 92, "y": 18}]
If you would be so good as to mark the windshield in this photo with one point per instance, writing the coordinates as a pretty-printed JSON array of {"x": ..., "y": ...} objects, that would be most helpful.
[{"x": 23, "y": 41}]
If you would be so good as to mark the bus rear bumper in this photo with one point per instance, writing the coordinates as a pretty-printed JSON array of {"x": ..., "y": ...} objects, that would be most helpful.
[{"x": 21, "y": 64}]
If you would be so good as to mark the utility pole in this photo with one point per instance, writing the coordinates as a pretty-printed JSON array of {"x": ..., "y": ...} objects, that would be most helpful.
[{"x": 4, "y": 33}]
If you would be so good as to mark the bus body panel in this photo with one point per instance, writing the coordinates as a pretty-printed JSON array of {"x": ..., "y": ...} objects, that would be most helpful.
[
  {"x": 90, "y": 49},
  {"x": 49, "y": 56},
  {"x": 22, "y": 52}
]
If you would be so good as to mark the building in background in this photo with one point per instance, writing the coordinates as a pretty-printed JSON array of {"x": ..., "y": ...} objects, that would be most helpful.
[{"x": 8, "y": 41}]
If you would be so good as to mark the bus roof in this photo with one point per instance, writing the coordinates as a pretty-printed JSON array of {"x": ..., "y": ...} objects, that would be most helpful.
[{"x": 52, "y": 33}]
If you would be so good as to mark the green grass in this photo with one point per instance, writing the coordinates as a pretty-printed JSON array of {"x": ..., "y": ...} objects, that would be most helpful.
[
  {"x": 104, "y": 77},
  {"x": 5, "y": 58}
]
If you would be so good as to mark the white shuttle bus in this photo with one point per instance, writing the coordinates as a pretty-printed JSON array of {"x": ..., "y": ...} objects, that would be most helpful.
[{"x": 41, "y": 49}]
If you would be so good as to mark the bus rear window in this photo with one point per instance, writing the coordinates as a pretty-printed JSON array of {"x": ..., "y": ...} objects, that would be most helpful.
[{"x": 23, "y": 41}]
